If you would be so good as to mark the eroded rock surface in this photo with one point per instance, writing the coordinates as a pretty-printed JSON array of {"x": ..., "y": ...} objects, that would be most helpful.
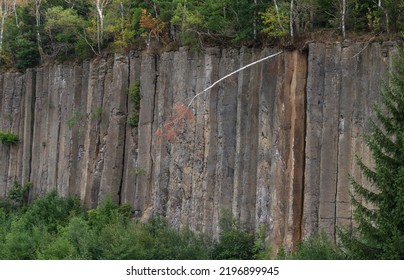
[{"x": 274, "y": 144}]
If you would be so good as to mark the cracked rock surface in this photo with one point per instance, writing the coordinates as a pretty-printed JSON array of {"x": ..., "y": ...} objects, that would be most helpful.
[{"x": 273, "y": 144}]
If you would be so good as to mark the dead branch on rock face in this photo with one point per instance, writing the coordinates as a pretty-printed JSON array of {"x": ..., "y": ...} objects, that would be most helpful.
[
  {"x": 172, "y": 127},
  {"x": 364, "y": 48},
  {"x": 232, "y": 73},
  {"x": 182, "y": 113}
]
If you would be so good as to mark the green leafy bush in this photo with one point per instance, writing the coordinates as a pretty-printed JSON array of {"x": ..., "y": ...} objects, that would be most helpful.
[
  {"x": 234, "y": 242},
  {"x": 97, "y": 114},
  {"x": 134, "y": 96},
  {"x": 75, "y": 117},
  {"x": 16, "y": 196},
  {"x": 8, "y": 138},
  {"x": 318, "y": 247},
  {"x": 53, "y": 227}
]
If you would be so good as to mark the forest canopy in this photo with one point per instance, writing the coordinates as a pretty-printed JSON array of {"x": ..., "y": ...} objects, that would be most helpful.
[{"x": 35, "y": 31}]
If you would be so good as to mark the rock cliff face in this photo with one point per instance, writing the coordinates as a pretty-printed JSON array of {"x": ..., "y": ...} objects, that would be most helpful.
[{"x": 274, "y": 144}]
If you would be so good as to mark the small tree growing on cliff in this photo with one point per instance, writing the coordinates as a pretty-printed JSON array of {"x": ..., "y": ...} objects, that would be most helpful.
[{"x": 380, "y": 231}]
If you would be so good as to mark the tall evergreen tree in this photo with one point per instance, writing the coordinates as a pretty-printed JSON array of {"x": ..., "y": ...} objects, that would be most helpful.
[{"x": 380, "y": 228}]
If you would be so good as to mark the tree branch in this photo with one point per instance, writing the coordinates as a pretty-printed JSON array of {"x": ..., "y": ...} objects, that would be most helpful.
[{"x": 232, "y": 73}]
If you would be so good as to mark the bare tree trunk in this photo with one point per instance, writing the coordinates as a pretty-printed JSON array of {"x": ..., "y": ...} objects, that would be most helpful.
[
  {"x": 122, "y": 10},
  {"x": 343, "y": 15},
  {"x": 100, "y": 24},
  {"x": 38, "y": 24},
  {"x": 3, "y": 14},
  {"x": 292, "y": 14},
  {"x": 15, "y": 14},
  {"x": 100, "y": 6},
  {"x": 255, "y": 20},
  {"x": 71, "y": 2},
  {"x": 379, "y": 4},
  {"x": 277, "y": 14}
]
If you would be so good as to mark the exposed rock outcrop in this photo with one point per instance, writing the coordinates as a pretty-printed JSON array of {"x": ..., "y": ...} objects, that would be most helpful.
[{"x": 274, "y": 143}]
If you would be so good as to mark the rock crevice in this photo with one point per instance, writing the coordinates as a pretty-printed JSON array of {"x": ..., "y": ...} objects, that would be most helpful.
[{"x": 272, "y": 144}]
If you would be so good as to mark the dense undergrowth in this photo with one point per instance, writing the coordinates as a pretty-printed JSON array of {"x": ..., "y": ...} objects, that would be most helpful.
[{"x": 55, "y": 227}]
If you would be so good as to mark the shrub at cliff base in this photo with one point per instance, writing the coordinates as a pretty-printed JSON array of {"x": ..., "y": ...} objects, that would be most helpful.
[
  {"x": 318, "y": 247},
  {"x": 54, "y": 227},
  {"x": 234, "y": 242}
]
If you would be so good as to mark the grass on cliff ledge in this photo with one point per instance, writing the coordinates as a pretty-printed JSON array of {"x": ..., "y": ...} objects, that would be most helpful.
[{"x": 54, "y": 227}]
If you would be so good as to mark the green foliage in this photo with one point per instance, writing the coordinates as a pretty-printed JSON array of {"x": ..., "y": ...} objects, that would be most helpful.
[
  {"x": 75, "y": 117},
  {"x": 318, "y": 247},
  {"x": 29, "y": 229},
  {"x": 97, "y": 114},
  {"x": 26, "y": 53},
  {"x": 53, "y": 227},
  {"x": 23, "y": 241},
  {"x": 19, "y": 48},
  {"x": 138, "y": 171},
  {"x": 71, "y": 243},
  {"x": 68, "y": 30},
  {"x": 261, "y": 248},
  {"x": 18, "y": 194},
  {"x": 16, "y": 197},
  {"x": 63, "y": 27},
  {"x": 8, "y": 138},
  {"x": 52, "y": 211},
  {"x": 119, "y": 25},
  {"x": 380, "y": 230},
  {"x": 275, "y": 23},
  {"x": 234, "y": 242},
  {"x": 134, "y": 121},
  {"x": 134, "y": 96}
]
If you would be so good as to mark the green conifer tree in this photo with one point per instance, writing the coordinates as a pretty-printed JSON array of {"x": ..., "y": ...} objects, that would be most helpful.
[{"x": 380, "y": 229}]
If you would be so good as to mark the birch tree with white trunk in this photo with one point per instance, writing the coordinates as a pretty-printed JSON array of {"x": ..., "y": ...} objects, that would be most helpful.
[
  {"x": 278, "y": 15},
  {"x": 343, "y": 17},
  {"x": 255, "y": 20},
  {"x": 100, "y": 6},
  {"x": 292, "y": 18},
  {"x": 37, "y": 7},
  {"x": 6, "y": 7},
  {"x": 380, "y": 6}
]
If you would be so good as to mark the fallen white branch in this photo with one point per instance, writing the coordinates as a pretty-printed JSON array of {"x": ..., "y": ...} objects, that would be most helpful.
[
  {"x": 364, "y": 48},
  {"x": 232, "y": 73}
]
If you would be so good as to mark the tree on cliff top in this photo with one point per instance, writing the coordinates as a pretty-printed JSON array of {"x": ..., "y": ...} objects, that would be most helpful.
[{"x": 380, "y": 230}]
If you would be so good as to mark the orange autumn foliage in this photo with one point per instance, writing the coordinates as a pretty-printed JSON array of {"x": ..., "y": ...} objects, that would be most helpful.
[
  {"x": 169, "y": 131},
  {"x": 153, "y": 24}
]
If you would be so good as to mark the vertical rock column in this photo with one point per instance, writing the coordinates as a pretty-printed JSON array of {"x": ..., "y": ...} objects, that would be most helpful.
[
  {"x": 142, "y": 194},
  {"x": 287, "y": 150},
  {"x": 69, "y": 117},
  {"x": 323, "y": 97},
  {"x": 77, "y": 155},
  {"x": 40, "y": 145},
  {"x": 344, "y": 82},
  {"x": 93, "y": 159},
  {"x": 12, "y": 119},
  {"x": 131, "y": 169},
  {"x": 297, "y": 147},
  {"x": 113, "y": 139},
  {"x": 227, "y": 126},
  {"x": 28, "y": 124},
  {"x": 266, "y": 140},
  {"x": 201, "y": 79},
  {"x": 314, "y": 125},
  {"x": 246, "y": 112}
]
